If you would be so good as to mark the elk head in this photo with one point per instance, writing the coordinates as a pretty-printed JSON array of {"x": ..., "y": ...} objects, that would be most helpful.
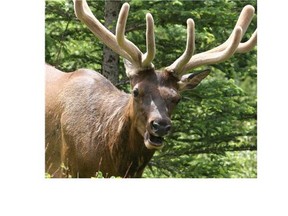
[{"x": 156, "y": 93}]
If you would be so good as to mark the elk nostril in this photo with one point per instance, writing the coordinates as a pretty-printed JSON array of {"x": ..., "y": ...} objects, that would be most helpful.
[
  {"x": 168, "y": 128},
  {"x": 155, "y": 125}
]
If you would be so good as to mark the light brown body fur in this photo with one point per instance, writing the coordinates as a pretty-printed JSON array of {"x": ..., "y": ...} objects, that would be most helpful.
[{"x": 82, "y": 134}]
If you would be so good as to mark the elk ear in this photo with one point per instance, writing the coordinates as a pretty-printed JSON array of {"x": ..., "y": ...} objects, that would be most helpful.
[{"x": 190, "y": 81}]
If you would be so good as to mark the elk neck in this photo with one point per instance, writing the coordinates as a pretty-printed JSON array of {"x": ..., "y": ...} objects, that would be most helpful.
[{"x": 126, "y": 144}]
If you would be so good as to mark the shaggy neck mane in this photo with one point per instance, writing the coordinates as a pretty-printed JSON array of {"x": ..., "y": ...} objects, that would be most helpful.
[{"x": 126, "y": 146}]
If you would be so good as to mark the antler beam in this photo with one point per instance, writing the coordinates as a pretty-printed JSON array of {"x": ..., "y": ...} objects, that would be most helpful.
[
  {"x": 118, "y": 43},
  {"x": 222, "y": 52},
  {"x": 190, "y": 47}
]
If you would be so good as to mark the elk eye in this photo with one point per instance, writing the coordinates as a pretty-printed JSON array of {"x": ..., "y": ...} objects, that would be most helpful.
[{"x": 135, "y": 92}]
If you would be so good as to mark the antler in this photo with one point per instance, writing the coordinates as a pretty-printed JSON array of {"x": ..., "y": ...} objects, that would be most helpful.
[
  {"x": 220, "y": 53},
  {"x": 118, "y": 43}
]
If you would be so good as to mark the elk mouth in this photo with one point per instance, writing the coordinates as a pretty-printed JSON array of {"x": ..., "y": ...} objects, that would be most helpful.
[{"x": 153, "y": 142}]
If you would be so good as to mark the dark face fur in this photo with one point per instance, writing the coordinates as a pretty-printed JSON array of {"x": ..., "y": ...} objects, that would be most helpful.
[{"x": 155, "y": 95}]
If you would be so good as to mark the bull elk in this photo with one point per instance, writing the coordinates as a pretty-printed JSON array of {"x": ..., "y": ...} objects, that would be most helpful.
[{"x": 92, "y": 126}]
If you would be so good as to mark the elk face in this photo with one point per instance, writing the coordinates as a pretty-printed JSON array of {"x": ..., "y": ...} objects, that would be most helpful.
[
  {"x": 153, "y": 103},
  {"x": 152, "y": 108},
  {"x": 155, "y": 96}
]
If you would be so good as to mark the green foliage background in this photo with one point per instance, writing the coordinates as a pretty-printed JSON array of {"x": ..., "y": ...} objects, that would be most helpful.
[{"x": 215, "y": 125}]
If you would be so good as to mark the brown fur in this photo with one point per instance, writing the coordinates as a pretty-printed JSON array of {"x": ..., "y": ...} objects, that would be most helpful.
[
  {"x": 92, "y": 126},
  {"x": 89, "y": 127}
]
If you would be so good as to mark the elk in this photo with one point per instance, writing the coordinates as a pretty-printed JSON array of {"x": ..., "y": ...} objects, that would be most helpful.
[{"x": 91, "y": 126}]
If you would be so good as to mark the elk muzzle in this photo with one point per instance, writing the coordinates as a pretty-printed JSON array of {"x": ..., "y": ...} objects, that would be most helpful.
[{"x": 155, "y": 132}]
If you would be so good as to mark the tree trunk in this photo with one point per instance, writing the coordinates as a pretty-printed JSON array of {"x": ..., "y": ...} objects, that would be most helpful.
[{"x": 110, "y": 67}]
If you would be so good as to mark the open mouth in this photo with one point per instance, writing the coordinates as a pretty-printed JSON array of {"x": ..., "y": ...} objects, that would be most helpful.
[{"x": 153, "y": 142}]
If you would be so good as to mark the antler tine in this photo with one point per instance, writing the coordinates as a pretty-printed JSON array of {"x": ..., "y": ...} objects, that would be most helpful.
[
  {"x": 125, "y": 44},
  {"x": 243, "y": 21},
  {"x": 83, "y": 13},
  {"x": 228, "y": 48},
  {"x": 178, "y": 65},
  {"x": 245, "y": 18},
  {"x": 137, "y": 56},
  {"x": 150, "y": 42}
]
